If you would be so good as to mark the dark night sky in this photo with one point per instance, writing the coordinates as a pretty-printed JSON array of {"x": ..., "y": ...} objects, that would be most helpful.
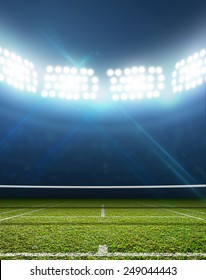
[
  {"x": 64, "y": 145},
  {"x": 108, "y": 33}
]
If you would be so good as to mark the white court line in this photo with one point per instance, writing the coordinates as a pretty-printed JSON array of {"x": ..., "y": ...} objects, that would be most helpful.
[
  {"x": 189, "y": 216},
  {"x": 11, "y": 217},
  {"x": 31, "y": 216},
  {"x": 177, "y": 212},
  {"x": 11, "y": 211},
  {"x": 144, "y": 216},
  {"x": 102, "y": 250},
  {"x": 19, "y": 209},
  {"x": 20, "y": 215},
  {"x": 204, "y": 213},
  {"x": 104, "y": 254},
  {"x": 103, "y": 187},
  {"x": 102, "y": 211},
  {"x": 45, "y": 216}
]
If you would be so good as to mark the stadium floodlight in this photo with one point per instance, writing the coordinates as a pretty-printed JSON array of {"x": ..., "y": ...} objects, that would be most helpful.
[
  {"x": 70, "y": 83},
  {"x": 136, "y": 83},
  {"x": 190, "y": 72},
  {"x": 17, "y": 72}
]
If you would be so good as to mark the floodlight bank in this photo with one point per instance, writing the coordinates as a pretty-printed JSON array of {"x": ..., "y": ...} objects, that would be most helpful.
[
  {"x": 71, "y": 83},
  {"x": 136, "y": 83},
  {"x": 190, "y": 72},
  {"x": 17, "y": 72}
]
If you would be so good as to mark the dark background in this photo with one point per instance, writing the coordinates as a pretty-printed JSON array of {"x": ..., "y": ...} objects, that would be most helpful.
[
  {"x": 47, "y": 142},
  {"x": 103, "y": 34}
]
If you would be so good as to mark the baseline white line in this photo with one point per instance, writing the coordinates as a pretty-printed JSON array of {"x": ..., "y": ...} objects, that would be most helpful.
[
  {"x": 103, "y": 254},
  {"x": 102, "y": 211},
  {"x": 144, "y": 216},
  {"x": 31, "y": 216}
]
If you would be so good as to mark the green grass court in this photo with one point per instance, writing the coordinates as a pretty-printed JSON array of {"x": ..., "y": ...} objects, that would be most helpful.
[{"x": 102, "y": 229}]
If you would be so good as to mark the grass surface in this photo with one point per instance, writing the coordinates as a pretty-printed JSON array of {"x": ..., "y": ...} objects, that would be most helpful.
[{"x": 124, "y": 226}]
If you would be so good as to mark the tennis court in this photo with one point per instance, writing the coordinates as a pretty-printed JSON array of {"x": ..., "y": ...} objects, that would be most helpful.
[{"x": 103, "y": 229}]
